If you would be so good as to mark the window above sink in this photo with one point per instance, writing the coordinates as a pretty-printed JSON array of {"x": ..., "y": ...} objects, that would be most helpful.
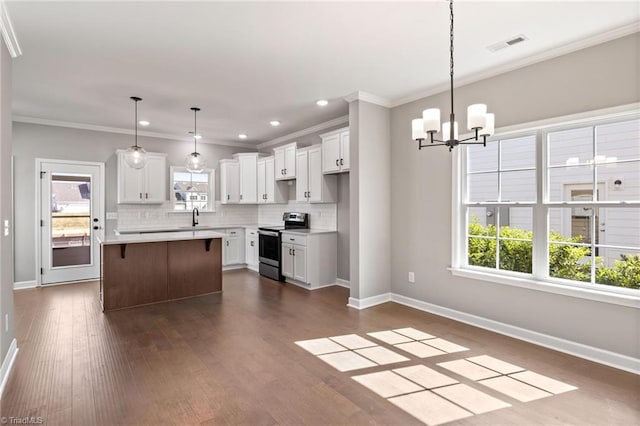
[{"x": 192, "y": 190}]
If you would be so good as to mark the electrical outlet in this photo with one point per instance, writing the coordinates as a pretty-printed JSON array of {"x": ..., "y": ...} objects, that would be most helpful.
[{"x": 412, "y": 277}]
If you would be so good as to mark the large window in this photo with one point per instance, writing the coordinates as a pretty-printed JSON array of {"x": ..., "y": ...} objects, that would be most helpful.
[
  {"x": 191, "y": 190},
  {"x": 557, "y": 204}
]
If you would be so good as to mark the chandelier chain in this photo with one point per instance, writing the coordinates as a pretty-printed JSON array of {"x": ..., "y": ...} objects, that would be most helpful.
[{"x": 451, "y": 35}]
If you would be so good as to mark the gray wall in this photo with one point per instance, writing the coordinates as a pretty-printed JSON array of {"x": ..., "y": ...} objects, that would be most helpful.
[
  {"x": 370, "y": 219},
  {"x": 598, "y": 77},
  {"x": 31, "y": 141},
  {"x": 6, "y": 243},
  {"x": 343, "y": 226}
]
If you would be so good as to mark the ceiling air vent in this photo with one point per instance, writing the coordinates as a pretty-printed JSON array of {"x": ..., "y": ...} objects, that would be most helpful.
[{"x": 507, "y": 43}]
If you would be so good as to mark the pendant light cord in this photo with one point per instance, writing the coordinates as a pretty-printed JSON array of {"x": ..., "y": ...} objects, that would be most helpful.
[
  {"x": 195, "y": 129},
  {"x": 136, "y": 123}
]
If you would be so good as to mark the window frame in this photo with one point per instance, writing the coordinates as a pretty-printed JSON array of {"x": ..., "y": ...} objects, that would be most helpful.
[
  {"x": 539, "y": 279},
  {"x": 211, "y": 194}
]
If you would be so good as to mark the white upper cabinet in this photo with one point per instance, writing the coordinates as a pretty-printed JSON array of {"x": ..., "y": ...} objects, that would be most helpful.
[
  {"x": 311, "y": 185},
  {"x": 285, "y": 161},
  {"x": 270, "y": 191},
  {"x": 142, "y": 186},
  {"x": 248, "y": 176},
  {"x": 335, "y": 151},
  {"x": 229, "y": 181}
]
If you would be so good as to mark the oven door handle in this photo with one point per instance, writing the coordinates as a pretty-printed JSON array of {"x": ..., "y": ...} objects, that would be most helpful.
[{"x": 269, "y": 233}]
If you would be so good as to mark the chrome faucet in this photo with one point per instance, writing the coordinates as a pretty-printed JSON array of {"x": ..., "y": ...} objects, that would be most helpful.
[{"x": 194, "y": 213}]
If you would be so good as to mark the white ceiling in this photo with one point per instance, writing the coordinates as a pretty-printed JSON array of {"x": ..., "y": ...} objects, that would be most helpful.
[{"x": 247, "y": 63}]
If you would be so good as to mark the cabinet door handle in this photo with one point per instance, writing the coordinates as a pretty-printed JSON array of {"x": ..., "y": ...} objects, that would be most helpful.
[
  {"x": 309, "y": 194},
  {"x": 285, "y": 171},
  {"x": 141, "y": 195},
  {"x": 228, "y": 197},
  {"x": 337, "y": 162},
  {"x": 342, "y": 162},
  {"x": 146, "y": 195},
  {"x": 294, "y": 252},
  {"x": 252, "y": 243},
  {"x": 227, "y": 243},
  {"x": 289, "y": 251},
  {"x": 241, "y": 196}
]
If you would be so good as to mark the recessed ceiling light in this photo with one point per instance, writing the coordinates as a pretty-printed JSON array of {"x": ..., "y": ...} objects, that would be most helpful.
[
  {"x": 274, "y": 123},
  {"x": 144, "y": 122},
  {"x": 322, "y": 102},
  {"x": 242, "y": 136}
]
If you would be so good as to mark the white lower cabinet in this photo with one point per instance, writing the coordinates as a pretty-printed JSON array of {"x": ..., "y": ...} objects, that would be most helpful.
[
  {"x": 233, "y": 252},
  {"x": 251, "y": 249},
  {"x": 309, "y": 260}
]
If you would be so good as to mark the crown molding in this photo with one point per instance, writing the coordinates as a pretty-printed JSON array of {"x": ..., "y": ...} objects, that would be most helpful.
[
  {"x": 313, "y": 129},
  {"x": 529, "y": 60},
  {"x": 8, "y": 34},
  {"x": 95, "y": 128},
  {"x": 368, "y": 97}
]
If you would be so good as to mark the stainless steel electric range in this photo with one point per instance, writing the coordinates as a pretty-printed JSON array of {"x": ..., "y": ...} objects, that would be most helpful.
[{"x": 269, "y": 237}]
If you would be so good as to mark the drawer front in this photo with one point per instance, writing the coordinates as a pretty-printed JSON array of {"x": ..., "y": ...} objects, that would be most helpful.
[
  {"x": 234, "y": 232},
  {"x": 252, "y": 232},
  {"x": 294, "y": 239}
]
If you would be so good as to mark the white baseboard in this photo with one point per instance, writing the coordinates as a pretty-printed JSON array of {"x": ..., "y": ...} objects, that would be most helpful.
[
  {"x": 612, "y": 359},
  {"x": 24, "y": 284},
  {"x": 369, "y": 301},
  {"x": 343, "y": 283},
  {"x": 233, "y": 267},
  {"x": 253, "y": 268},
  {"x": 7, "y": 365}
]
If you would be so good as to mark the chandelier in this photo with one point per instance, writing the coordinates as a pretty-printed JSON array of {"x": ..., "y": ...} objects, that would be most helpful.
[
  {"x": 479, "y": 121},
  {"x": 194, "y": 161}
]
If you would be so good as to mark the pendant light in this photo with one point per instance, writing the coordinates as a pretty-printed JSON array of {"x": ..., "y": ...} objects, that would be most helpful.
[
  {"x": 194, "y": 161},
  {"x": 478, "y": 120},
  {"x": 136, "y": 156}
]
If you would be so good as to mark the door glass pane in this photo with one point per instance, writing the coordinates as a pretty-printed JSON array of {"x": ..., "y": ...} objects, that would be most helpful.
[{"x": 70, "y": 220}]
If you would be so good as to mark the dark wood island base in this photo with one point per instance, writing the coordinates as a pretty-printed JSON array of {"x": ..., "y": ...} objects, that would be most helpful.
[{"x": 134, "y": 274}]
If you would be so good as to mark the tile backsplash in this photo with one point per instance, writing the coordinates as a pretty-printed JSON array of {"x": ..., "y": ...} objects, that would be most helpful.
[
  {"x": 323, "y": 216},
  {"x": 150, "y": 216}
]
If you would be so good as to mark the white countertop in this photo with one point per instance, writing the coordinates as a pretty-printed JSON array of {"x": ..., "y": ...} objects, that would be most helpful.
[
  {"x": 182, "y": 228},
  {"x": 152, "y": 237},
  {"x": 307, "y": 231}
]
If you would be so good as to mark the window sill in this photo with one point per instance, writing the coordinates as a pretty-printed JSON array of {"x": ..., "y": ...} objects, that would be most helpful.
[{"x": 628, "y": 300}]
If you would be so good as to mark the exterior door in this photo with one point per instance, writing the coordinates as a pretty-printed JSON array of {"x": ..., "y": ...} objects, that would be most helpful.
[{"x": 71, "y": 211}]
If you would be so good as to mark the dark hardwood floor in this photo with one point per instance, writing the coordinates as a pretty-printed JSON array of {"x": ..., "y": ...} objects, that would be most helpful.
[{"x": 230, "y": 358}]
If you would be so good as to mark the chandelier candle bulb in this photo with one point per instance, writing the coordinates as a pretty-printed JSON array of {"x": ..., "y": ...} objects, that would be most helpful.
[
  {"x": 446, "y": 131},
  {"x": 431, "y": 119},
  {"x": 476, "y": 116},
  {"x": 489, "y": 127},
  {"x": 417, "y": 128}
]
